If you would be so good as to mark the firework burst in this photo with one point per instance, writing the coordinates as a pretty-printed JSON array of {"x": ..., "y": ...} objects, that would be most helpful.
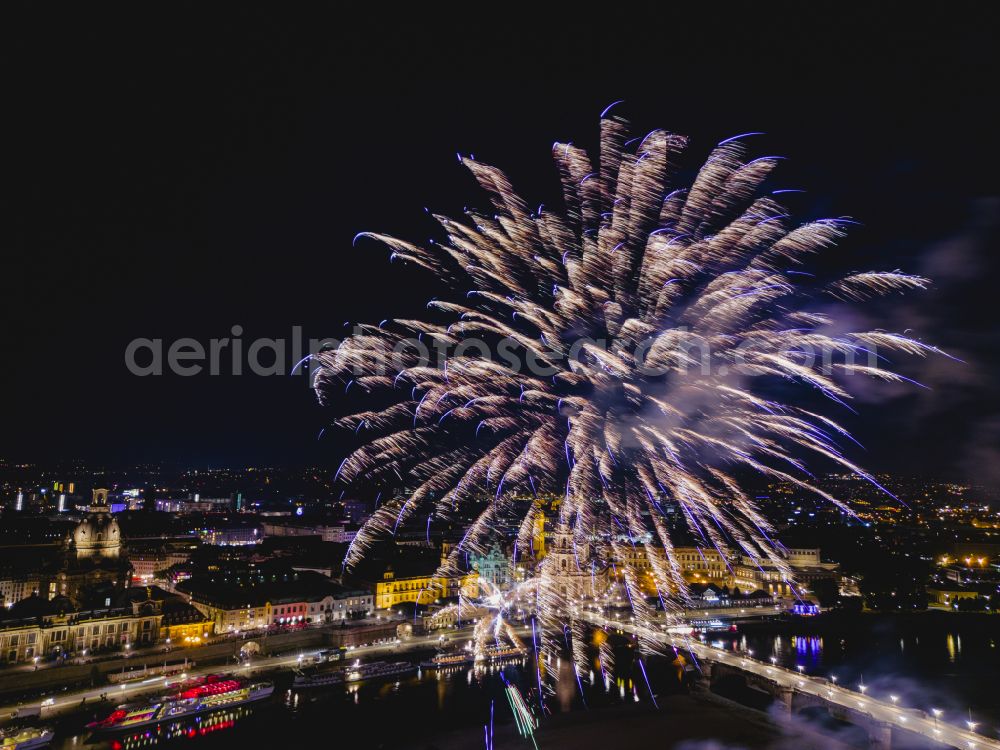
[
  {"x": 652, "y": 323},
  {"x": 493, "y": 611}
]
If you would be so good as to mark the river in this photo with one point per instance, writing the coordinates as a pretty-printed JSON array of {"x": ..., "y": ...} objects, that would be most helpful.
[{"x": 952, "y": 666}]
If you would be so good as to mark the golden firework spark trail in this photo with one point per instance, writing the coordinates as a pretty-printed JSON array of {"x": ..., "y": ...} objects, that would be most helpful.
[{"x": 656, "y": 315}]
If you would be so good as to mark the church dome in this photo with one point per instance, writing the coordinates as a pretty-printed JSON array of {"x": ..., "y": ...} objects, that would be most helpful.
[{"x": 98, "y": 535}]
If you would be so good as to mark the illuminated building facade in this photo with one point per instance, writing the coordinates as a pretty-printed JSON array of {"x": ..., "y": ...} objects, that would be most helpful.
[
  {"x": 806, "y": 566},
  {"x": 403, "y": 585},
  {"x": 493, "y": 567},
  {"x": 38, "y": 628},
  {"x": 308, "y": 598},
  {"x": 698, "y": 564}
]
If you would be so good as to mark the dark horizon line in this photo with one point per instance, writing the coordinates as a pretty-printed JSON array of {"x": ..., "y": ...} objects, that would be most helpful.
[{"x": 182, "y": 466}]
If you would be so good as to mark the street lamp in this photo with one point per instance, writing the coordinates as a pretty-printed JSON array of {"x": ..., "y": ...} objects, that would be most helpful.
[
  {"x": 937, "y": 714},
  {"x": 862, "y": 687},
  {"x": 894, "y": 698}
]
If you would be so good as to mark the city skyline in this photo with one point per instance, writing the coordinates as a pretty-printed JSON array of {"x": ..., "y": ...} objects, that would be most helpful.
[{"x": 204, "y": 573}]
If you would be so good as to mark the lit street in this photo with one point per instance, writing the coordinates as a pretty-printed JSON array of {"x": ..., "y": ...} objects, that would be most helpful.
[{"x": 119, "y": 693}]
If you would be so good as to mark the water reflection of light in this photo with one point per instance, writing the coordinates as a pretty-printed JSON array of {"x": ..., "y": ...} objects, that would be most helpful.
[
  {"x": 811, "y": 645},
  {"x": 950, "y": 645},
  {"x": 196, "y": 727}
]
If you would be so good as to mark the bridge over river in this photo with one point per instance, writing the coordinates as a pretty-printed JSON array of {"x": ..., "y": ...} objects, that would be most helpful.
[{"x": 795, "y": 692}]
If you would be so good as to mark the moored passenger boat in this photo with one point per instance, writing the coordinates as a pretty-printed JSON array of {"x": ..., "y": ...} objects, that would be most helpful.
[
  {"x": 200, "y": 699},
  {"x": 318, "y": 680},
  {"x": 25, "y": 738},
  {"x": 379, "y": 669}
]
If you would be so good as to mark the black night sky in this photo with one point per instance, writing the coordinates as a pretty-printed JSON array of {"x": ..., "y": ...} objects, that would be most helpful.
[{"x": 173, "y": 173}]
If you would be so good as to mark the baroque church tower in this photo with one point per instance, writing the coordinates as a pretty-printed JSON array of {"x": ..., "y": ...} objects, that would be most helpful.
[{"x": 572, "y": 572}]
